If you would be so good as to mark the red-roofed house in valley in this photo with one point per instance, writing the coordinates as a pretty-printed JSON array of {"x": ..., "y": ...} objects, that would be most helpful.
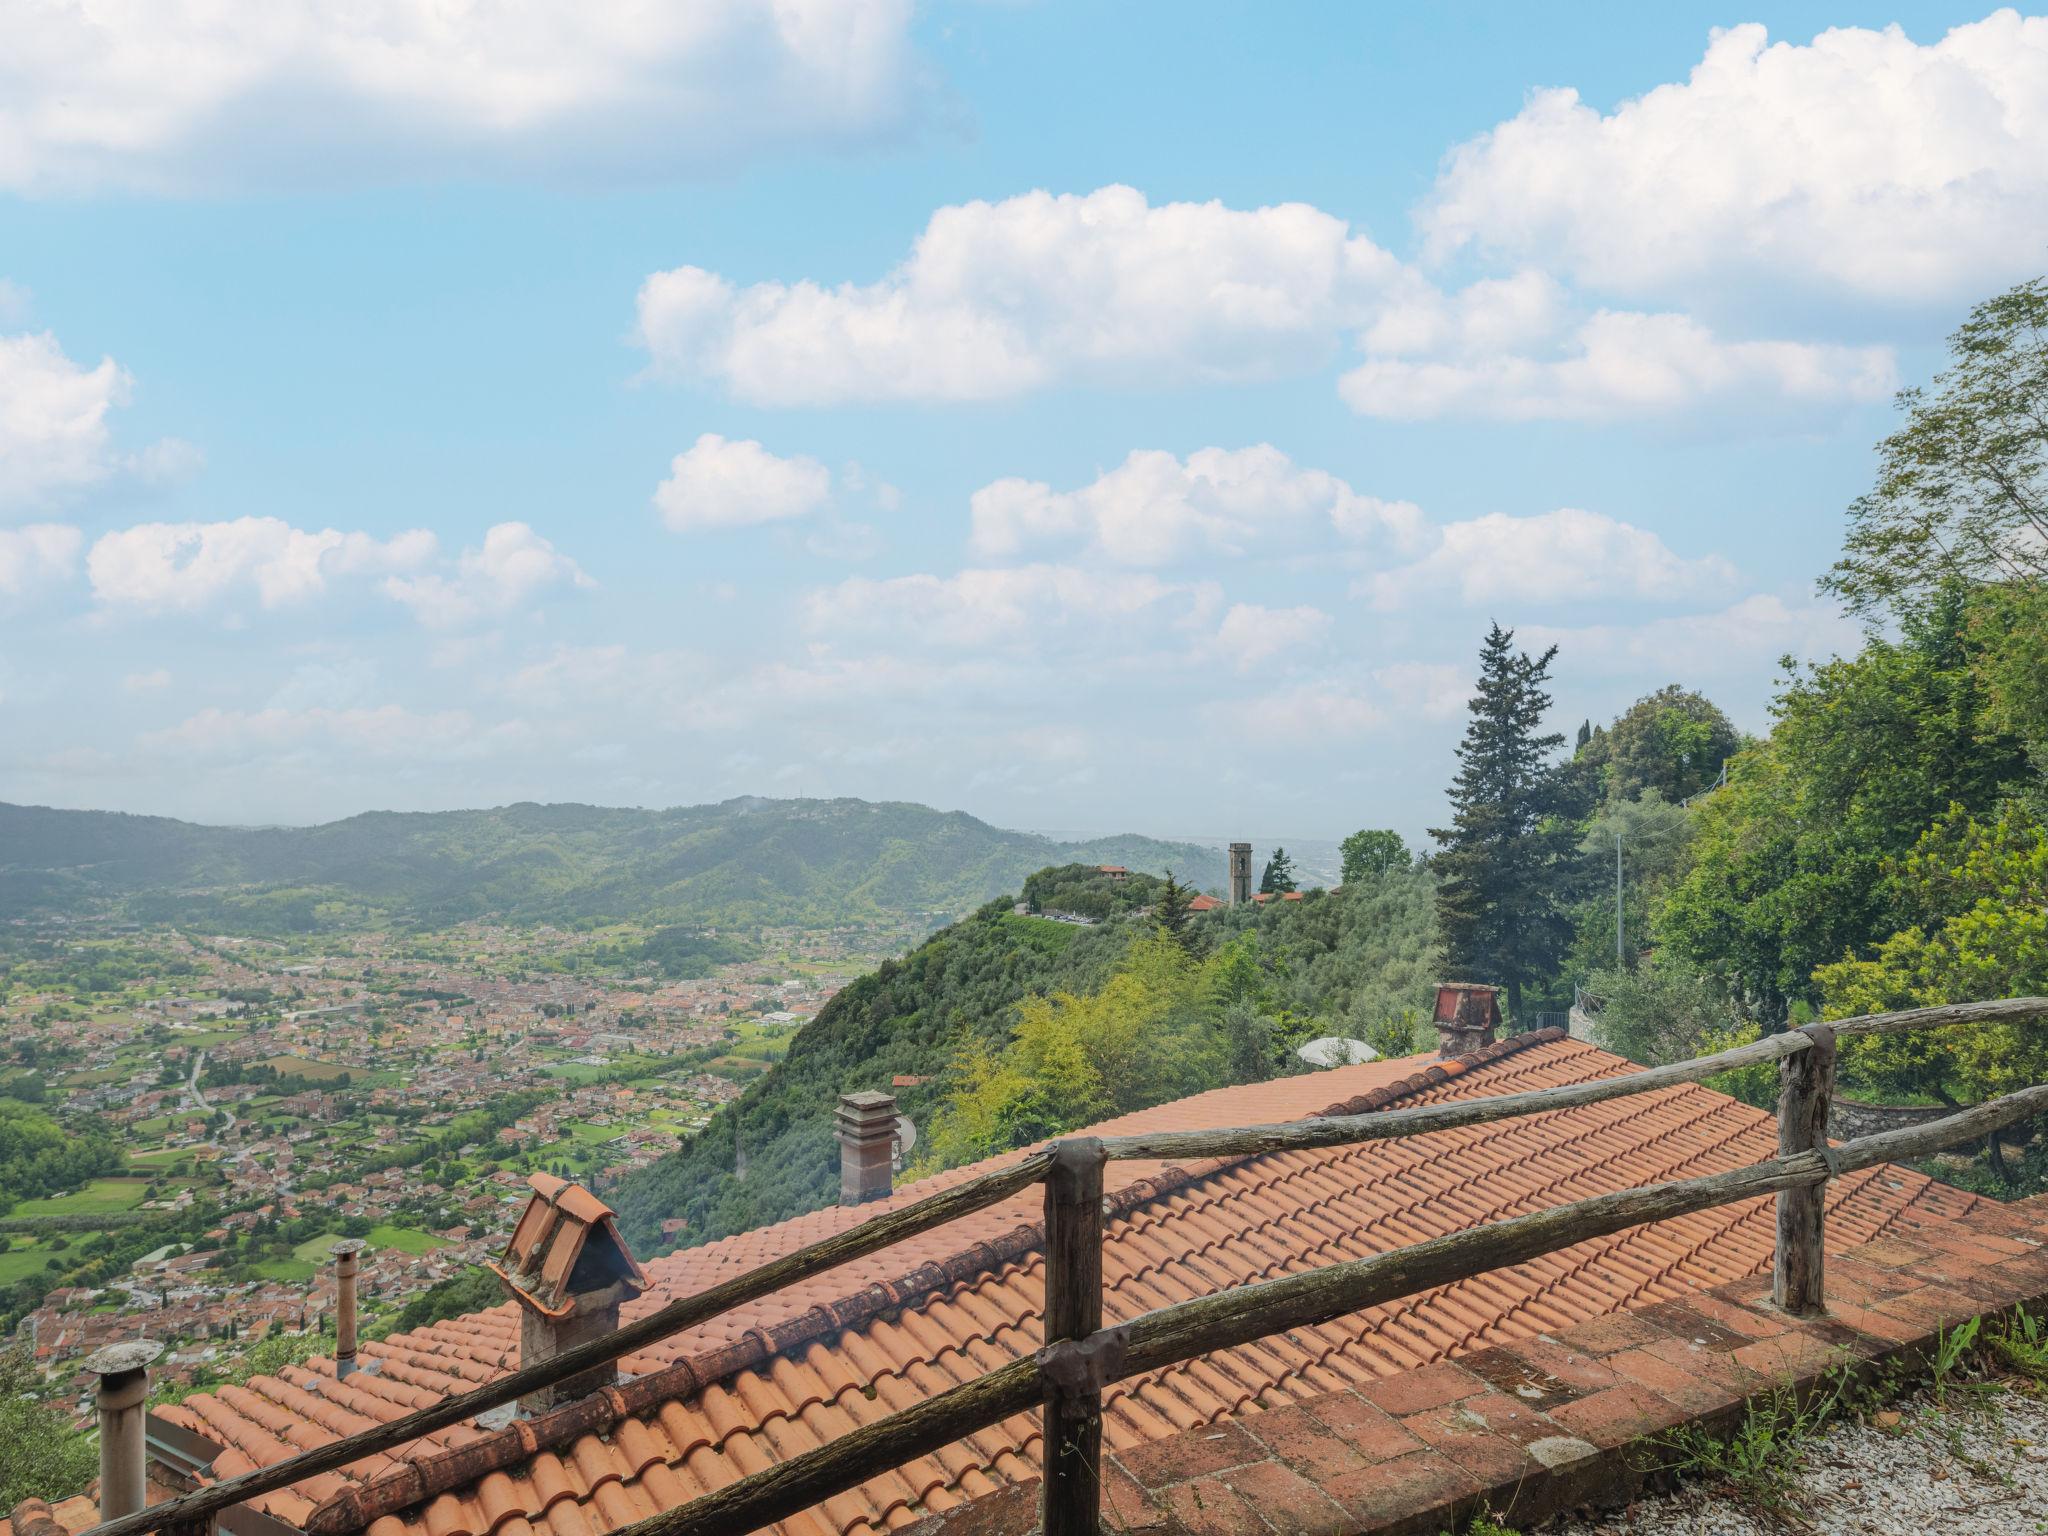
[{"x": 851, "y": 1345}]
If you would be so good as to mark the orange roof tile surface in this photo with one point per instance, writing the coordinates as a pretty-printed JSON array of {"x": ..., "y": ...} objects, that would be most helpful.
[{"x": 1180, "y": 1234}]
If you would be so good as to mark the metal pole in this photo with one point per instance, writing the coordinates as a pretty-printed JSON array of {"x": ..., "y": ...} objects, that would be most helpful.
[
  {"x": 123, "y": 1370},
  {"x": 345, "y": 1257},
  {"x": 1620, "y": 959}
]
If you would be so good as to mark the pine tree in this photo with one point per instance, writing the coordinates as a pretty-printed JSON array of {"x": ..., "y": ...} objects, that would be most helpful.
[
  {"x": 1279, "y": 874},
  {"x": 1505, "y": 860},
  {"x": 1171, "y": 911}
]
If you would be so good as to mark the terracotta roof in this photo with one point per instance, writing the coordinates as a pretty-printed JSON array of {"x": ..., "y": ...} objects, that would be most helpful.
[{"x": 857, "y": 1343}]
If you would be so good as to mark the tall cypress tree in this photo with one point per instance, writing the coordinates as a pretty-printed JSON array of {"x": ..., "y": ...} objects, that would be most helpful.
[
  {"x": 1171, "y": 911},
  {"x": 1504, "y": 869}
]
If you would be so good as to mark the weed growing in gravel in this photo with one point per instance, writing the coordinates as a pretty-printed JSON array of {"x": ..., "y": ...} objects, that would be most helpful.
[
  {"x": 1483, "y": 1524},
  {"x": 1955, "y": 1350},
  {"x": 2021, "y": 1345},
  {"x": 1761, "y": 1461}
]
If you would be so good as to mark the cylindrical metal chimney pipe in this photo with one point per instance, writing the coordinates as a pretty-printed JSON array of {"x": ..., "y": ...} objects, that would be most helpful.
[
  {"x": 123, "y": 1370},
  {"x": 345, "y": 1254}
]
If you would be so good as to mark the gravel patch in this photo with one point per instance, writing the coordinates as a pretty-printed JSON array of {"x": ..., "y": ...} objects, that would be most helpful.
[{"x": 1977, "y": 1468}]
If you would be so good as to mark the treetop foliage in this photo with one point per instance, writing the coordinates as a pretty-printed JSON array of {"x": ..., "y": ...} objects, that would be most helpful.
[{"x": 1962, "y": 488}]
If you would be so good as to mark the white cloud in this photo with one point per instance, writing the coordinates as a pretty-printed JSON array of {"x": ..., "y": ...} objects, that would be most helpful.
[
  {"x": 1562, "y": 556},
  {"x": 152, "y": 681},
  {"x": 1864, "y": 160},
  {"x": 1739, "y": 641},
  {"x": 38, "y": 554},
  {"x": 184, "y": 567},
  {"x": 1250, "y": 635},
  {"x": 387, "y": 731},
  {"x": 1154, "y": 509},
  {"x": 1433, "y": 690},
  {"x": 999, "y": 298},
  {"x": 1308, "y": 712},
  {"x": 722, "y": 483},
  {"x": 1614, "y": 364},
  {"x": 514, "y": 564},
  {"x": 175, "y": 96},
  {"x": 53, "y": 418},
  {"x": 1041, "y": 607}
]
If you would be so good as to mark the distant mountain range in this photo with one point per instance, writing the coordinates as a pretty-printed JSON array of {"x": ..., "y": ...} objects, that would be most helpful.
[{"x": 747, "y": 860}]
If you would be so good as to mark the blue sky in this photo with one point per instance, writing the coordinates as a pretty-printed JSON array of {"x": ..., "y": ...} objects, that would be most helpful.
[{"x": 1087, "y": 417}]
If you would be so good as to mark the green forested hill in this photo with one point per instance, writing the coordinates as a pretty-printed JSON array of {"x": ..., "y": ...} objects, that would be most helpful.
[
  {"x": 743, "y": 861},
  {"x": 1337, "y": 962}
]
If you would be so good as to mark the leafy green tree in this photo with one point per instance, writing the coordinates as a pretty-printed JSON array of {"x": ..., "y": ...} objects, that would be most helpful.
[
  {"x": 1673, "y": 741},
  {"x": 41, "y": 1456},
  {"x": 1395, "y": 1034},
  {"x": 1501, "y": 913},
  {"x": 1654, "y": 836},
  {"x": 1976, "y": 893},
  {"x": 1795, "y": 863},
  {"x": 1370, "y": 853},
  {"x": 1962, "y": 487},
  {"x": 1278, "y": 875}
]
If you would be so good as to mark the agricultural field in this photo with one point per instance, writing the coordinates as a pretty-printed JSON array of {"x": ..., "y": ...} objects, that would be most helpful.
[{"x": 97, "y": 1198}]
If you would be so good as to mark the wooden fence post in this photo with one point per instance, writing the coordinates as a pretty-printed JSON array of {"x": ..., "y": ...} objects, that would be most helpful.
[
  {"x": 1806, "y": 1082},
  {"x": 1073, "y": 1312}
]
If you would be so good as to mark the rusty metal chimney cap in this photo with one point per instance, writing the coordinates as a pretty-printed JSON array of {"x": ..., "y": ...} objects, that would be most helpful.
[{"x": 128, "y": 1355}]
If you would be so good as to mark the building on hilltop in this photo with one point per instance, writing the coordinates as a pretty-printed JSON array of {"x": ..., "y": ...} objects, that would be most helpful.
[{"x": 851, "y": 1345}]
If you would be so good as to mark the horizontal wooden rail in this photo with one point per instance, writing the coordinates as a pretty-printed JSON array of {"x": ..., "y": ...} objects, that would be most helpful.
[
  {"x": 1193, "y": 1328},
  {"x": 687, "y": 1312},
  {"x": 1382, "y": 1124},
  {"x": 928, "y": 1419},
  {"x": 1238, "y": 1316}
]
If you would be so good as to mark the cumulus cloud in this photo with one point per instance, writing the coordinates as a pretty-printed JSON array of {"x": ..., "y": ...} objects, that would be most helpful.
[
  {"x": 1614, "y": 364},
  {"x": 1041, "y": 606},
  {"x": 1895, "y": 169},
  {"x": 35, "y": 556},
  {"x": 996, "y": 299},
  {"x": 1738, "y": 641},
  {"x": 176, "y": 96},
  {"x": 1251, "y": 635},
  {"x": 514, "y": 565},
  {"x": 53, "y": 418},
  {"x": 721, "y": 483},
  {"x": 1562, "y": 556},
  {"x": 1154, "y": 509},
  {"x": 1309, "y": 712},
  {"x": 184, "y": 567}
]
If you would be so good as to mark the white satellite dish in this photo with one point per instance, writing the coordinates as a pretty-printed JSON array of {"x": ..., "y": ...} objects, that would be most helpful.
[{"x": 1336, "y": 1051}]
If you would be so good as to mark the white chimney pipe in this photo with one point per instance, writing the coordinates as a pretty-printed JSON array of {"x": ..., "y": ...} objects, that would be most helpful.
[
  {"x": 123, "y": 1370},
  {"x": 345, "y": 1253}
]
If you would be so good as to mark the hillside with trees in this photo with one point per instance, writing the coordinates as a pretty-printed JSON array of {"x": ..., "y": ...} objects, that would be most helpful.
[
  {"x": 1019, "y": 1026},
  {"x": 745, "y": 861}
]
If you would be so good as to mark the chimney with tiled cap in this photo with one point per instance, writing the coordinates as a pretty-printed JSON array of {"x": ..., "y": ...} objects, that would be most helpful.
[
  {"x": 1467, "y": 1014},
  {"x": 570, "y": 1271},
  {"x": 867, "y": 1146}
]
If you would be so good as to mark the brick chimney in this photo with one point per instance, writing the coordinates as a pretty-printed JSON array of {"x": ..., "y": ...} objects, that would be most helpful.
[
  {"x": 569, "y": 1270},
  {"x": 1467, "y": 1014},
  {"x": 867, "y": 1146}
]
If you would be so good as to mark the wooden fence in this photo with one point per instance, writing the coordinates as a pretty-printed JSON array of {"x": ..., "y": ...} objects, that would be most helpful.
[{"x": 1066, "y": 1378}]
